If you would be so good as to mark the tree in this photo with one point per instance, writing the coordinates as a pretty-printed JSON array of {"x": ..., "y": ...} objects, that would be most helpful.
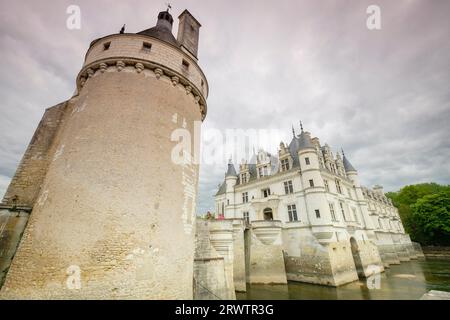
[
  {"x": 431, "y": 218},
  {"x": 416, "y": 208}
]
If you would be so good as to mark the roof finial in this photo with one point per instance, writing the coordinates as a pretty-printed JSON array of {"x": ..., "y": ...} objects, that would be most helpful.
[
  {"x": 342, "y": 150},
  {"x": 168, "y": 6},
  {"x": 301, "y": 126},
  {"x": 293, "y": 131},
  {"x": 122, "y": 30}
]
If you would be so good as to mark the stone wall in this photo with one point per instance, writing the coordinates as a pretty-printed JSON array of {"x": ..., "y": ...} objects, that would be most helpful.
[
  {"x": 27, "y": 181},
  {"x": 213, "y": 270},
  {"x": 12, "y": 225},
  {"x": 239, "y": 273},
  {"x": 266, "y": 253}
]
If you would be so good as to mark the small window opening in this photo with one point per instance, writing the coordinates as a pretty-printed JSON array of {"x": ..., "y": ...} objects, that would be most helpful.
[
  {"x": 185, "y": 64},
  {"x": 106, "y": 45},
  {"x": 146, "y": 46}
]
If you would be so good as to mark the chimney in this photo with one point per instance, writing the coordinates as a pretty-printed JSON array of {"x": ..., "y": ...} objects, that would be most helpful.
[{"x": 188, "y": 32}]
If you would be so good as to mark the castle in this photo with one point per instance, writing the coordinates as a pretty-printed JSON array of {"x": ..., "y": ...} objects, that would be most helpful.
[
  {"x": 304, "y": 216},
  {"x": 98, "y": 209},
  {"x": 104, "y": 211}
]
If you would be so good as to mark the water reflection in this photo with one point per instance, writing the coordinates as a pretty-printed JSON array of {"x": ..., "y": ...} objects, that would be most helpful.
[{"x": 409, "y": 280}]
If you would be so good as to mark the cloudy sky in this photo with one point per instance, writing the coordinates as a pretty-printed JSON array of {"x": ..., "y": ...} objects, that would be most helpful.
[{"x": 382, "y": 95}]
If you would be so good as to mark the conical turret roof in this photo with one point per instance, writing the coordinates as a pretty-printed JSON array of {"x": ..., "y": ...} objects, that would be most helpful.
[
  {"x": 347, "y": 165},
  {"x": 231, "y": 172}
]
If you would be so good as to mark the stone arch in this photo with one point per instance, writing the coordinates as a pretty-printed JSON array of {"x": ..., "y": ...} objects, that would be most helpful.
[
  {"x": 268, "y": 214},
  {"x": 356, "y": 257}
]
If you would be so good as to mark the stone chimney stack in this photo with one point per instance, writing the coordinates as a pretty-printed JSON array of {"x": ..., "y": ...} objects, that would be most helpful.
[{"x": 188, "y": 32}]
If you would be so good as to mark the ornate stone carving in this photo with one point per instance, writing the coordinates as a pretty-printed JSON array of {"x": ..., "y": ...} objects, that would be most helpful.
[
  {"x": 158, "y": 73},
  {"x": 120, "y": 65},
  {"x": 175, "y": 80},
  {"x": 188, "y": 89},
  {"x": 139, "y": 67},
  {"x": 103, "y": 67},
  {"x": 90, "y": 72}
]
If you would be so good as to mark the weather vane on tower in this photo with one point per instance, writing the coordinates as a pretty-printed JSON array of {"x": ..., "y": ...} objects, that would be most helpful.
[{"x": 168, "y": 6}]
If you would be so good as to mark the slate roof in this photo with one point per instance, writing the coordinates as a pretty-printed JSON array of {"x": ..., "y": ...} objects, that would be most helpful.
[{"x": 347, "y": 165}]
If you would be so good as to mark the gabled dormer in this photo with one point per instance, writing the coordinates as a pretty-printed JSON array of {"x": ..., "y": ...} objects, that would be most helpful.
[
  {"x": 263, "y": 164},
  {"x": 285, "y": 158},
  {"x": 244, "y": 172}
]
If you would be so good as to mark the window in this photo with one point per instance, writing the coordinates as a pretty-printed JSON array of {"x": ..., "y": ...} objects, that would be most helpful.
[
  {"x": 338, "y": 186},
  {"x": 245, "y": 197},
  {"x": 327, "y": 188},
  {"x": 146, "y": 46},
  {"x": 263, "y": 171},
  {"x": 317, "y": 213},
  {"x": 106, "y": 45},
  {"x": 228, "y": 202},
  {"x": 244, "y": 178},
  {"x": 223, "y": 207},
  {"x": 266, "y": 192},
  {"x": 284, "y": 164},
  {"x": 311, "y": 183},
  {"x": 292, "y": 212},
  {"x": 246, "y": 217},
  {"x": 333, "y": 213},
  {"x": 288, "y": 188},
  {"x": 342, "y": 210},
  {"x": 355, "y": 215},
  {"x": 185, "y": 64},
  {"x": 307, "y": 161}
]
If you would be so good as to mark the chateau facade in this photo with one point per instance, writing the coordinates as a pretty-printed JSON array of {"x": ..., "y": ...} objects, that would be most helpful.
[{"x": 328, "y": 227}]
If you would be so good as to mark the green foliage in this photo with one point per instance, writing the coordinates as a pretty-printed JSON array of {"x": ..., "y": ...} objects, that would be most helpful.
[{"x": 425, "y": 211}]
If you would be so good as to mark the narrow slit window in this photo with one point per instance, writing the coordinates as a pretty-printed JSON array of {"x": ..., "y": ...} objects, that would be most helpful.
[{"x": 146, "y": 46}]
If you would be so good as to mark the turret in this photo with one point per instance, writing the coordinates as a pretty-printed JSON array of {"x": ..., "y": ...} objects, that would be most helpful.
[
  {"x": 135, "y": 90},
  {"x": 318, "y": 211},
  {"x": 231, "y": 178}
]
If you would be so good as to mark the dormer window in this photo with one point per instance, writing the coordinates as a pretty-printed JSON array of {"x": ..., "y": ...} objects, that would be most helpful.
[
  {"x": 244, "y": 178},
  {"x": 285, "y": 165}
]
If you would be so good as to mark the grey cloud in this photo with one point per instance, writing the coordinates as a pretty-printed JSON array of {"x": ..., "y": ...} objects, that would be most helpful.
[{"x": 381, "y": 95}]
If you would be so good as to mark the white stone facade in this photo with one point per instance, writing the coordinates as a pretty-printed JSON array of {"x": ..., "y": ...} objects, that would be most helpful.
[{"x": 333, "y": 229}]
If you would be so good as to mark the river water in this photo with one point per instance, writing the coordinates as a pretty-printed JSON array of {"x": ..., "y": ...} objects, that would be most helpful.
[{"x": 407, "y": 281}]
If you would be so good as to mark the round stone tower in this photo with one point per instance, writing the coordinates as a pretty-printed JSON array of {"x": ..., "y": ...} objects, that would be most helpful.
[{"x": 115, "y": 214}]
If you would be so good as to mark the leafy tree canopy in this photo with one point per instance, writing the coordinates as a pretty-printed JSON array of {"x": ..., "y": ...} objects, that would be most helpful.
[{"x": 425, "y": 212}]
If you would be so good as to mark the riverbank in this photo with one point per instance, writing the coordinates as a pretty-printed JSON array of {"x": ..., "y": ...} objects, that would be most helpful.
[{"x": 436, "y": 252}]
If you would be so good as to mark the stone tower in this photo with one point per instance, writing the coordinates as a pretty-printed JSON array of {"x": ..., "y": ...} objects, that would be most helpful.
[{"x": 112, "y": 215}]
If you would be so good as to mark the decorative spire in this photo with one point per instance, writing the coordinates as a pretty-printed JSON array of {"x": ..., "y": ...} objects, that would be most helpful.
[
  {"x": 301, "y": 126},
  {"x": 343, "y": 154},
  {"x": 122, "y": 30},
  {"x": 293, "y": 131},
  {"x": 168, "y": 6}
]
